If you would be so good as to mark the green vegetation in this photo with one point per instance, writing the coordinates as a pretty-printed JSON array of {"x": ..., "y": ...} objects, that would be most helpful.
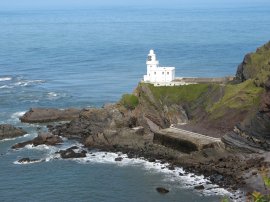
[
  {"x": 259, "y": 197},
  {"x": 257, "y": 65},
  {"x": 178, "y": 94},
  {"x": 129, "y": 101},
  {"x": 238, "y": 96}
]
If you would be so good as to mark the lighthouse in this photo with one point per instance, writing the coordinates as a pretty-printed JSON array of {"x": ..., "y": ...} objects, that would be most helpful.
[{"x": 156, "y": 74}]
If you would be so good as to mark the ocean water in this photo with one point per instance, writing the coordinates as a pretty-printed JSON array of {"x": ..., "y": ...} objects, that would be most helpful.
[{"x": 89, "y": 57}]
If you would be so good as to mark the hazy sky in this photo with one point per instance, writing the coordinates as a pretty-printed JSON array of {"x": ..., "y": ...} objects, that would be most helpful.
[{"x": 58, "y": 4}]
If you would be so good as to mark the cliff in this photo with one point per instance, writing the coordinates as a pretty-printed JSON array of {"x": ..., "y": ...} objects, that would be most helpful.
[{"x": 237, "y": 111}]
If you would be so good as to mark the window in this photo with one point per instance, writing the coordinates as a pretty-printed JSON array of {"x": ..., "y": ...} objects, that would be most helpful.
[
  {"x": 155, "y": 73},
  {"x": 149, "y": 58},
  {"x": 163, "y": 73},
  {"x": 168, "y": 73}
]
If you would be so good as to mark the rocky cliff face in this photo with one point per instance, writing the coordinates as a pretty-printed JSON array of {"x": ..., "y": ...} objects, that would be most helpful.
[
  {"x": 253, "y": 133},
  {"x": 255, "y": 66}
]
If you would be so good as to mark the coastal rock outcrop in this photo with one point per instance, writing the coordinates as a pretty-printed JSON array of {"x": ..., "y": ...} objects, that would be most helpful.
[
  {"x": 44, "y": 115},
  {"x": 71, "y": 153},
  {"x": 237, "y": 111},
  {"x": 255, "y": 66},
  {"x": 9, "y": 131},
  {"x": 42, "y": 138},
  {"x": 254, "y": 134},
  {"x": 27, "y": 160},
  {"x": 162, "y": 190}
]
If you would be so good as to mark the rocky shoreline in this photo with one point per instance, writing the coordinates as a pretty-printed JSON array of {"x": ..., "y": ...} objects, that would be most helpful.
[
  {"x": 113, "y": 130},
  {"x": 237, "y": 112}
]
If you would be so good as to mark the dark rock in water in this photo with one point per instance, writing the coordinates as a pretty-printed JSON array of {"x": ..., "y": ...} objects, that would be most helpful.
[
  {"x": 152, "y": 160},
  {"x": 73, "y": 147},
  {"x": 9, "y": 131},
  {"x": 43, "y": 115},
  {"x": 70, "y": 153},
  {"x": 181, "y": 174},
  {"x": 171, "y": 167},
  {"x": 21, "y": 145},
  {"x": 27, "y": 160},
  {"x": 199, "y": 187},
  {"x": 162, "y": 190},
  {"x": 216, "y": 178},
  {"x": 47, "y": 138},
  {"x": 118, "y": 159},
  {"x": 42, "y": 138}
]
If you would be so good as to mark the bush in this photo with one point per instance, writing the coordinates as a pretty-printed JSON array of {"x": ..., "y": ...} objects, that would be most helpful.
[{"x": 129, "y": 101}]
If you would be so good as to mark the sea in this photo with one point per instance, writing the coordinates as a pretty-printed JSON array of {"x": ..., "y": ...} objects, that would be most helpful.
[{"x": 91, "y": 56}]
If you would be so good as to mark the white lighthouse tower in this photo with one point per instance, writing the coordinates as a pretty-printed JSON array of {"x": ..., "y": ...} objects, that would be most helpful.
[{"x": 155, "y": 74}]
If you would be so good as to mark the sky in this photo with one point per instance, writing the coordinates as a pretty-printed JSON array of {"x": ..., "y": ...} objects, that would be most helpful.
[{"x": 66, "y": 4}]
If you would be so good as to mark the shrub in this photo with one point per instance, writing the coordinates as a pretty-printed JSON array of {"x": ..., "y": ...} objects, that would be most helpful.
[{"x": 129, "y": 101}]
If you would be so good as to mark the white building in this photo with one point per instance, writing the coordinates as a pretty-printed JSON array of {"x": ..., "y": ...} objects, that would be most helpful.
[{"x": 158, "y": 75}]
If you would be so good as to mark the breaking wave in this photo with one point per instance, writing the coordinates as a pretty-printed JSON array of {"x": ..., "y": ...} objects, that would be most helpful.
[
  {"x": 24, "y": 83},
  {"x": 184, "y": 179},
  {"x": 5, "y": 78}
]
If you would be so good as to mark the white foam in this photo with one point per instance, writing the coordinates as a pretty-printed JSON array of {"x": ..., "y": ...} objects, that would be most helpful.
[
  {"x": 5, "y": 86},
  {"x": 14, "y": 118},
  {"x": 5, "y": 78},
  {"x": 17, "y": 115},
  {"x": 187, "y": 181},
  {"x": 52, "y": 94},
  {"x": 31, "y": 162},
  {"x": 28, "y": 82},
  {"x": 14, "y": 138}
]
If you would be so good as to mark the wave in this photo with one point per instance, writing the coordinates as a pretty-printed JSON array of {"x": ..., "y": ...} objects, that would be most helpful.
[
  {"x": 30, "y": 162},
  {"x": 15, "y": 117},
  {"x": 14, "y": 138},
  {"x": 5, "y": 78},
  {"x": 184, "y": 180},
  {"x": 55, "y": 95},
  {"x": 24, "y": 83},
  {"x": 6, "y": 86}
]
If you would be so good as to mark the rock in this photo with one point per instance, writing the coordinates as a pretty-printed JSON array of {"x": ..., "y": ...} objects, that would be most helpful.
[
  {"x": 162, "y": 190},
  {"x": 152, "y": 160},
  {"x": 47, "y": 139},
  {"x": 9, "y": 131},
  {"x": 27, "y": 160},
  {"x": 42, "y": 138},
  {"x": 43, "y": 115},
  {"x": 199, "y": 187},
  {"x": 70, "y": 153},
  {"x": 21, "y": 145},
  {"x": 139, "y": 130},
  {"x": 118, "y": 159},
  {"x": 171, "y": 167}
]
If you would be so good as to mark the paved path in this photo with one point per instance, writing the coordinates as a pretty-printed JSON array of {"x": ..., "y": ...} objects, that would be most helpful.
[
  {"x": 195, "y": 134},
  {"x": 186, "y": 140}
]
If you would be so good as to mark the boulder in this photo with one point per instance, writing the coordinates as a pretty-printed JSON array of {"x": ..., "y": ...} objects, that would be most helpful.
[
  {"x": 44, "y": 115},
  {"x": 42, "y": 138},
  {"x": 162, "y": 190},
  {"x": 199, "y": 187},
  {"x": 27, "y": 160},
  {"x": 21, "y": 144},
  {"x": 70, "y": 153},
  {"x": 118, "y": 159},
  {"x": 9, "y": 131},
  {"x": 47, "y": 139}
]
